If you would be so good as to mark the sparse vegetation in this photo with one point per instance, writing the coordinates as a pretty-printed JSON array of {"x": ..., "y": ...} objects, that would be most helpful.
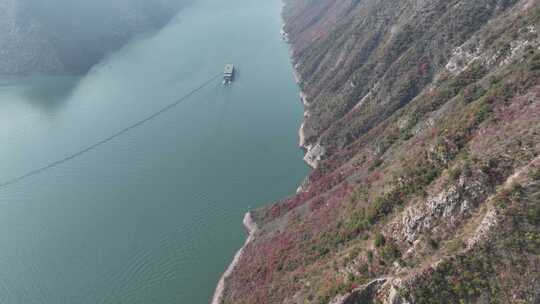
[
  {"x": 379, "y": 240},
  {"x": 381, "y": 197}
]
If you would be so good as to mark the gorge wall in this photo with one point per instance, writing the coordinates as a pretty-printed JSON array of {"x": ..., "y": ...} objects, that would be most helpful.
[{"x": 423, "y": 125}]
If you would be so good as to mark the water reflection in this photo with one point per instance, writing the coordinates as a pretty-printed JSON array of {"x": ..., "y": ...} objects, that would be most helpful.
[{"x": 49, "y": 94}]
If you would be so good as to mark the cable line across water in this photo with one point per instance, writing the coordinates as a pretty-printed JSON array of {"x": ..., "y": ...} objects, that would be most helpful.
[{"x": 109, "y": 138}]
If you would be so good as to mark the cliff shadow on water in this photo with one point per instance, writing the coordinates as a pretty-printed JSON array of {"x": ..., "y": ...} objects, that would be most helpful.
[{"x": 68, "y": 37}]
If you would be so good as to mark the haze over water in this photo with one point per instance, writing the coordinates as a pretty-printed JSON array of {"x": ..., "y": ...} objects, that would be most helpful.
[{"x": 155, "y": 215}]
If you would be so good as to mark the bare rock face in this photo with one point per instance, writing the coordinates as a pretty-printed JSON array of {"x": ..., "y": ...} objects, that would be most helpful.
[
  {"x": 390, "y": 291},
  {"x": 489, "y": 221},
  {"x": 448, "y": 206},
  {"x": 361, "y": 294},
  {"x": 386, "y": 290},
  {"x": 462, "y": 57},
  {"x": 314, "y": 154}
]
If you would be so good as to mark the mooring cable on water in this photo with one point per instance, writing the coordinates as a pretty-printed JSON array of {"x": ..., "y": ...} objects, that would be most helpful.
[{"x": 109, "y": 138}]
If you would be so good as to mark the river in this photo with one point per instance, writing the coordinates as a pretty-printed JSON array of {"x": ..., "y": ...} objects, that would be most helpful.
[{"x": 154, "y": 216}]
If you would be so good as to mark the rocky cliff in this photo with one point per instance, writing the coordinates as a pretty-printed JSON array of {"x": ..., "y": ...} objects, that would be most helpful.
[{"x": 423, "y": 125}]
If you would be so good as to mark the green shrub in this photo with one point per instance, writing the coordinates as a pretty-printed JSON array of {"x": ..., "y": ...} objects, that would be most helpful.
[
  {"x": 535, "y": 63},
  {"x": 517, "y": 191},
  {"x": 533, "y": 215},
  {"x": 379, "y": 240},
  {"x": 454, "y": 173},
  {"x": 433, "y": 243},
  {"x": 390, "y": 252},
  {"x": 460, "y": 280},
  {"x": 454, "y": 246},
  {"x": 379, "y": 208},
  {"x": 363, "y": 268},
  {"x": 482, "y": 112},
  {"x": 535, "y": 174},
  {"x": 535, "y": 66},
  {"x": 473, "y": 93},
  {"x": 369, "y": 256},
  {"x": 323, "y": 251},
  {"x": 378, "y": 162},
  {"x": 355, "y": 252},
  {"x": 471, "y": 75},
  {"x": 351, "y": 277}
]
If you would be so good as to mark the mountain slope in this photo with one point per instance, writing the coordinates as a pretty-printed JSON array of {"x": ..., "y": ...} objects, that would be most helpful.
[{"x": 423, "y": 125}]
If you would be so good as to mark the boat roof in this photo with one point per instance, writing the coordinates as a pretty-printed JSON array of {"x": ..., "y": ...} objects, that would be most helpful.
[{"x": 229, "y": 68}]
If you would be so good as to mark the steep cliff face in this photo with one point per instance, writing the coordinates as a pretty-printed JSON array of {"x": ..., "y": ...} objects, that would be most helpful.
[
  {"x": 426, "y": 119},
  {"x": 64, "y": 36}
]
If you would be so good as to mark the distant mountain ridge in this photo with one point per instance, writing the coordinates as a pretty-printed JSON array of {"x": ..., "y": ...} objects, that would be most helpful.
[{"x": 63, "y": 36}]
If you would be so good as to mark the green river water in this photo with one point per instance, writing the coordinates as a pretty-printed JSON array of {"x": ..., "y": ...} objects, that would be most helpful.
[{"x": 155, "y": 215}]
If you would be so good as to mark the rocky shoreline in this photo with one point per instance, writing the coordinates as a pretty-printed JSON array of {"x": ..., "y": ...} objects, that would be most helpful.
[
  {"x": 251, "y": 228},
  {"x": 310, "y": 158},
  {"x": 314, "y": 151},
  {"x": 248, "y": 222}
]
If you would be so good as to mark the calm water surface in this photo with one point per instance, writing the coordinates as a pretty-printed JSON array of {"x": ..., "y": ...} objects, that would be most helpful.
[{"x": 154, "y": 216}]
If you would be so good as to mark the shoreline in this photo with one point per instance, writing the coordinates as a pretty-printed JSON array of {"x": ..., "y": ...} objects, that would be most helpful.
[
  {"x": 251, "y": 228},
  {"x": 303, "y": 96},
  {"x": 248, "y": 222},
  {"x": 313, "y": 151}
]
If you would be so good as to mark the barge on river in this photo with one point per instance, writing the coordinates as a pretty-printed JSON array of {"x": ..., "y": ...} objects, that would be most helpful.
[{"x": 228, "y": 73}]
